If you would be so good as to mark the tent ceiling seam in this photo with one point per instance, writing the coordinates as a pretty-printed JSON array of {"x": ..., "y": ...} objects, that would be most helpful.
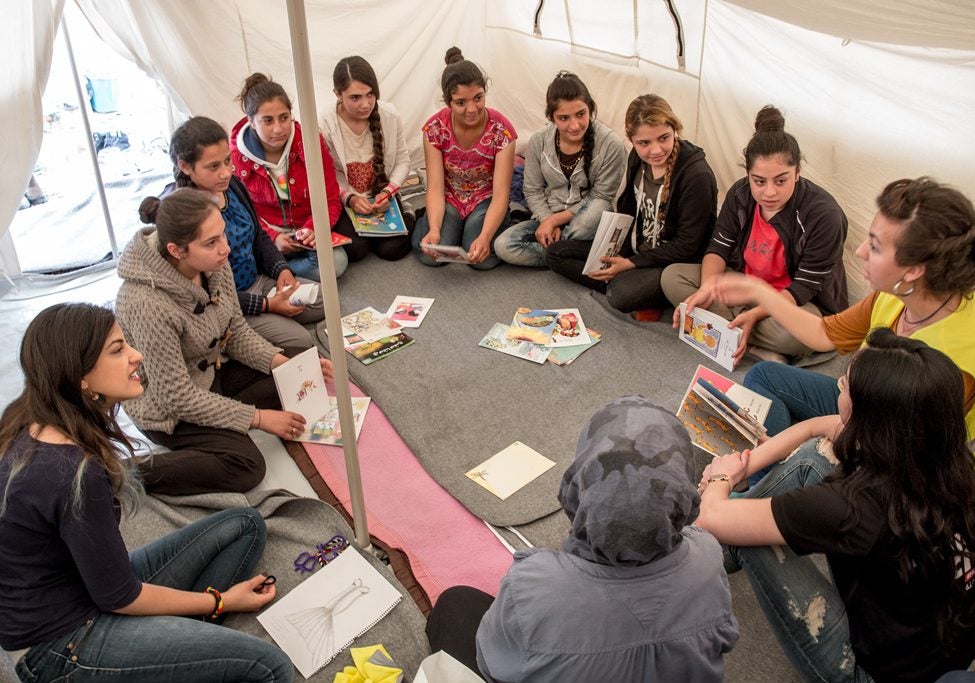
[{"x": 638, "y": 58}]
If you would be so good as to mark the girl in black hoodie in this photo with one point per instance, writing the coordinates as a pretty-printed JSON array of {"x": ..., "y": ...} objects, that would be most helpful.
[{"x": 671, "y": 192}]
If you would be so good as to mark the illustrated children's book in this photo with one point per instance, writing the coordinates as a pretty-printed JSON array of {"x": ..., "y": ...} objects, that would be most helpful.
[
  {"x": 370, "y": 351},
  {"x": 533, "y": 325},
  {"x": 369, "y": 325},
  {"x": 721, "y": 415},
  {"x": 327, "y": 611},
  {"x": 498, "y": 340},
  {"x": 387, "y": 224},
  {"x": 301, "y": 388},
  {"x": 327, "y": 430},
  {"x": 709, "y": 334},
  {"x": 449, "y": 253},
  {"x": 338, "y": 240},
  {"x": 510, "y": 470},
  {"x": 612, "y": 230},
  {"x": 563, "y": 355},
  {"x": 409, "y": 311},
  {"x": 569, "y": 329}
]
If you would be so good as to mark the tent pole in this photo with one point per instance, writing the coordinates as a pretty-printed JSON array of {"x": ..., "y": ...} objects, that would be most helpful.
[
  {"x": 83, "y": 108},
  {"x": 330, "y": 290}
]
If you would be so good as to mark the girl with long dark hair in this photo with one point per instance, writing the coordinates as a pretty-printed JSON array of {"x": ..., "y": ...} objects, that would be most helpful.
[
  {"x": 892, "y": 511},
  {"x": 73, "y": 601},
  {"x": 366, "y": 140},
  {"x": 779, "y": 226},
  {"x": 573, "y": 168},
  {"x": 201, "y": 159},
  {"x": 269, "y": 158},
  {"x": 470, "y": 155},
  {"x": 919, "y": 260}
]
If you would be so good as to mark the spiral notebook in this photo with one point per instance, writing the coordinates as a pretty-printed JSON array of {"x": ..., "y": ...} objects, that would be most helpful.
[{"x": 330, "y": 609}]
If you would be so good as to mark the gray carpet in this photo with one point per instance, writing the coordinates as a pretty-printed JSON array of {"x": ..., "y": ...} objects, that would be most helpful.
[
  {"x": 294, "y": 525},
  {"x": 457, "y": 404}
]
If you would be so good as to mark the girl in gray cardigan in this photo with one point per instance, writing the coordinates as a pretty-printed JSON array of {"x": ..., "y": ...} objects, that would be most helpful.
[
  {"x": 207, "y": 372},
  {"x": 572, "y": 172}
]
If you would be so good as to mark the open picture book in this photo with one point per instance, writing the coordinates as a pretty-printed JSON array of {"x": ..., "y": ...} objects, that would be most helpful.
[
  {"x": 721, "y": 415},
  {"x": 301, "y": 388}
]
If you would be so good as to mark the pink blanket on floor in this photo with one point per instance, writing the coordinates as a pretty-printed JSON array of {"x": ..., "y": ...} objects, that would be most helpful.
[{"x": 408, "y": 510}]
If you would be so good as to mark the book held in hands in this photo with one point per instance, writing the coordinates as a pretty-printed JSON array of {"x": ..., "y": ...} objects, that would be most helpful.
[
  {"x": 721, "y": 415},
  {"x": 612, "y": 230},
  {"x": 387, "y": 224},
  {"x": 301, "y": 388},
  {"x": 710, "y": 334}
]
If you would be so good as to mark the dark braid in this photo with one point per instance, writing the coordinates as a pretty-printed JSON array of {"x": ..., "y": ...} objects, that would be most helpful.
[
  {"x": 347, "y": 71},
  {"x": 588, "y": 145},
  {"x": 378, "y": 164},
  {"x": 567, "y": 87}
]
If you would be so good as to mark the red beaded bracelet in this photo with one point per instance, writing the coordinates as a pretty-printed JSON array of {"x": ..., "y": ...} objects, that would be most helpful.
[{"x": 217, "y": 602}]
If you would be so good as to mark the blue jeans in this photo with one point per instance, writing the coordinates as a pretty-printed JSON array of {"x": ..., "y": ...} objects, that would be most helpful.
[
  {"x": 217, "y": 551},
  {"x": 797, "y": 394},
  {"x": 305, "y": 263},
  {"x": 792, "y": 591},
  {"x": 519, "y": 247},
  {"x": 455, "y": 231}
]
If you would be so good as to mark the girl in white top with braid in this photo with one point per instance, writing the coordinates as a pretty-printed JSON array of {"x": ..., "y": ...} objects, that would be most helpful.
[{"x": 366, "y": 141}]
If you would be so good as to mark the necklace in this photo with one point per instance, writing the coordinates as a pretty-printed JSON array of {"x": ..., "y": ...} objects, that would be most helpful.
[
  {"x": 568, "y": 162},
  {"x": 916, "y": 323}
]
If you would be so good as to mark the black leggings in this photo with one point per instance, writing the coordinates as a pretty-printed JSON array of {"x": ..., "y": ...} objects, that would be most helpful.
[
  {"x": 452, "y": 624},
  {"x": 206, "y": 459},
  {"x": 631, "y": 290}
]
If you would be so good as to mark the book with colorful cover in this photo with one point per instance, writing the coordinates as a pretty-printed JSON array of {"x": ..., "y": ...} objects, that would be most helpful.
[
  {"x": 338, "y": 240},
  {"x": 533, "y": 325},
  {"x": 327, "y": 430},
  {"x": 448, "y": 253},
  {"x": 564, "y": 355},
  {"x": 370, "y": 351},
  {"x": 369, "y": 324},
  {"x": 301, "y": 388},
  {"x": 409, "y": 311},
  {"x": 387, "y": 224},
  {"x": 569, "y": 329},
  {"x": 721, "y": 415},
  {"x": 498, "y": 340},
  {"x": 709, "y": 333}
]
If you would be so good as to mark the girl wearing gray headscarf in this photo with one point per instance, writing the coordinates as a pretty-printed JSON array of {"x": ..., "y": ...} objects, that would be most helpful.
[{"x": 636, "y": 593}]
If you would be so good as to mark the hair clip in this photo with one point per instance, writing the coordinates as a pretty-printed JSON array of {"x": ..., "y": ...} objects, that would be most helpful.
[{"x": 326, "y": 552}]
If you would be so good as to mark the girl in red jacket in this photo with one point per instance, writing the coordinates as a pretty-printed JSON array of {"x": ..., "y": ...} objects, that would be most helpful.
[{"x": 269, "y": 159}]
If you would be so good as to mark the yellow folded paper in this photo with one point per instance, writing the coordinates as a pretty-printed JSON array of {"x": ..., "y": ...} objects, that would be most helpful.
[{"x": 372, "y": 665}]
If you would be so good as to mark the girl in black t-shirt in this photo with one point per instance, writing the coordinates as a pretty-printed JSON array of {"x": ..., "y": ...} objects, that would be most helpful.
[
  {"x": 72, "y": 600},
  {"x": 892, "y": 511}
]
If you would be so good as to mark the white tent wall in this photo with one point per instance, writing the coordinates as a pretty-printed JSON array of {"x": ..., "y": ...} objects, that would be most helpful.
[
  {"x": 202, "y": 52},
  {"x": 864, "y": 112},
  {"x": 26, "y": 46}
]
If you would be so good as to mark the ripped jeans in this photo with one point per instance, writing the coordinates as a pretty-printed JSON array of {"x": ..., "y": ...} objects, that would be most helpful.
[{"x": 803, "y": 608}]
